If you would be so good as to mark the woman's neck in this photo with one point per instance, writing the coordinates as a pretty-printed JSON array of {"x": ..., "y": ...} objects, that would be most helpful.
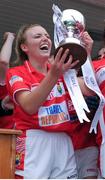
[{"x": 39, "y": 66}]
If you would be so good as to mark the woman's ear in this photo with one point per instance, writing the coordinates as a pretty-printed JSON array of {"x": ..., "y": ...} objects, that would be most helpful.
[{"x": 24, "y": 47}]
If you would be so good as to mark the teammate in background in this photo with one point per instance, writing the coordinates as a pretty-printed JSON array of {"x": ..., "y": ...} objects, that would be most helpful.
[
  {"x": 6, "y": 106},
  {"x": 99, "y": 66},
  {"x": 44, "y": 150},
  {"x": 101, "y": 53}
]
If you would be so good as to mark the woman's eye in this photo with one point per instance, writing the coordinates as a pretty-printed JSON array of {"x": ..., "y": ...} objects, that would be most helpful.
[
  {"x": 48, "y": 36},
  {"x": 36, "y": 36},
  {"x": 39, "y": 36}
]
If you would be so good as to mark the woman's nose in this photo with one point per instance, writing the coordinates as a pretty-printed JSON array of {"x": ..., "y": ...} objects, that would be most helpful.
[{"x": 45, "y": 38}]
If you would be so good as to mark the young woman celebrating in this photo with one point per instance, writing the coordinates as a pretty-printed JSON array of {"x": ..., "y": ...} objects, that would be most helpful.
[{"x": 44, "y": 150}]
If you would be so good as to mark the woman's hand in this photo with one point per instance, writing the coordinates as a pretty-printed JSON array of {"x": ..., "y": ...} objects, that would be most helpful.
[
  {"x": 9, "y": 35},
  {"x": 7, "y": 103},
  {"x": 87, "y": 41},
  {"x": 59, "y": 66}
]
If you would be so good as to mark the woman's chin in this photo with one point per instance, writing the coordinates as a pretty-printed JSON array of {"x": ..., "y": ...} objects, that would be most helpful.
[{"x": 45, "y": 55}]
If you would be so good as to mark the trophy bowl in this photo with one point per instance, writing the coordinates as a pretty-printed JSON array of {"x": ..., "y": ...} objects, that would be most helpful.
[
  {"x": 77, "y": 51},
  {"x": 71, "y": 27}
]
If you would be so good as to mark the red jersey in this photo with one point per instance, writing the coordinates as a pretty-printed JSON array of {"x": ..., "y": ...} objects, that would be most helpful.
[
  {"x": 57, "y": 112},
  {"x": 3, "y": 91},
  {"x": 6, "y": 120},
  {"x": 53, "y": 115},
  {"x": 99, "y": 66},
  {"x": 79, "y": 132}
]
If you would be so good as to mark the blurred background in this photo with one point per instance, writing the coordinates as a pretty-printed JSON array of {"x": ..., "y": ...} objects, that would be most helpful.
[{"x": 14, "y": 13}]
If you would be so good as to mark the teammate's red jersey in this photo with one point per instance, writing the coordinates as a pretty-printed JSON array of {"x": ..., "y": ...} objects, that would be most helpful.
[
  {"x": 99, "y": 66},
  {"x": 79, "y": 132},
  {"x": 6, "y": 120}
]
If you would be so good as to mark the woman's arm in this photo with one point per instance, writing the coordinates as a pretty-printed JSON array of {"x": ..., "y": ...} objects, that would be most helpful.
[
  {"x": 5, "y": 54},
  {"x": 31, "y": 101}
]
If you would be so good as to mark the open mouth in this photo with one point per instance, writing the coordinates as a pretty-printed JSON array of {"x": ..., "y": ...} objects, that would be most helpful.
[{"x": 44, "y": 47}]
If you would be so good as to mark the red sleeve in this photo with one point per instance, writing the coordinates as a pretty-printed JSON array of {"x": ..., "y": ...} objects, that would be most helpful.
[
  {"x": 98, "y": 64},
  {"x": 15, "y": 82}
]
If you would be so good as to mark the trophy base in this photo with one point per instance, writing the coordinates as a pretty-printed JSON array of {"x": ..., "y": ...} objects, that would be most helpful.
[{"x": 77, "y": 51}]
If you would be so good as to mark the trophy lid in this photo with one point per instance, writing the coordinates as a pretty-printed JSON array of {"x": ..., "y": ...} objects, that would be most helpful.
[{"x": 73, "y": 17}]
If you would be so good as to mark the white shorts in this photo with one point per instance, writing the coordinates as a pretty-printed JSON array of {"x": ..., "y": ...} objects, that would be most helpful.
[
  {"x": 48, "y": 155},
  {"x": 86, "y": 160}
]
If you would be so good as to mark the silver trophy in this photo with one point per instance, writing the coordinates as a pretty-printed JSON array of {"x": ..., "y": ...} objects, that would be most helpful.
[{"x": 68, "y": 28}]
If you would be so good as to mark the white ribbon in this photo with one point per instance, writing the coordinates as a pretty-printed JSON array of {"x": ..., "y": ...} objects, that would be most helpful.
[
  {"x": 60, "y": 32},
  {"x": 90, "y": 81},
  {"x": 76, "y": 95}
]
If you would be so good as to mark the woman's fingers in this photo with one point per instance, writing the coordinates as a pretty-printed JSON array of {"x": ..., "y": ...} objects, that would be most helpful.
[
  {"x": 60, "y": 60},
  {"x": 88, "y": 41},
  {"x": 69, "y": 64},
  {"x": 64, "y": 56},
  {"x": 58, "y": 55},
  {"x": 61, "y": 56}
]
